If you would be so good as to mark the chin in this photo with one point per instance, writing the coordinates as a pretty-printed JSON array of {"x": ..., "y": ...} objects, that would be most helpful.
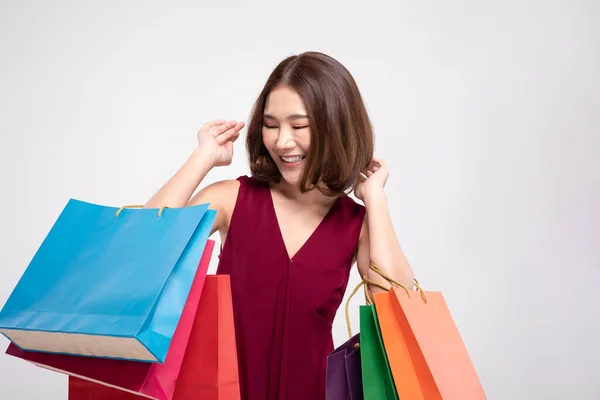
[{"x": 291, "y": 178}]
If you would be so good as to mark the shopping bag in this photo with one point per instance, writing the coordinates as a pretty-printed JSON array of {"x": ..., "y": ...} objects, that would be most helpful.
[
  {"x": 343, "y": 376},
  {"x": 209, "y": 370},
  {"x": 82, "y": 389},
  {"x": 438, "y": 356},
  {"x": 153, "y": 380},
  {"x": 378, "y": 382},
  {"x": 210, "y": 367},
  {"x": 405, "y": 376},
  {"x": 108, "y": 282}
]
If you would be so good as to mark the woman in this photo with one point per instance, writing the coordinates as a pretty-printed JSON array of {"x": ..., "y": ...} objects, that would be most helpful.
[{"x": 290, "y": 232}]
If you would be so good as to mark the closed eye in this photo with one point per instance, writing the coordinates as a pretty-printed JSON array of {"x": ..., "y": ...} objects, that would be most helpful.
[{"x": 275, "y": 127}]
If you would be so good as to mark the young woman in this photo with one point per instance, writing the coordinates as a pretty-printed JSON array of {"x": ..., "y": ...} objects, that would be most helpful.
[{"x": 290, "y": 232}]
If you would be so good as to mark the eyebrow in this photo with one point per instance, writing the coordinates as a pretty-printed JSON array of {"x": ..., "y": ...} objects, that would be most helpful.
[{"x": 291, "y": 117}]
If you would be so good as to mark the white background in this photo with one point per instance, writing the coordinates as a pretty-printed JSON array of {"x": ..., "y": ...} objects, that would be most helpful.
[{"x": 488, "y": 114}]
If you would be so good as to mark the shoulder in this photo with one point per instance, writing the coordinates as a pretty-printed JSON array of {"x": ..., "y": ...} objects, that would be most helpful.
[
  {"x": 359, "y": 211},
  {"x": 219, "y": 190},
  {"x": 251, "y": 181},
  {"x": 352, "y": 207},
  {"x": 229, "y": 187},
  {"x": 227, "y": 192},
  {"x": 233, "y": 187},
  {"x": 354, "y": 212},
  {"x": 222, "y": 197}
]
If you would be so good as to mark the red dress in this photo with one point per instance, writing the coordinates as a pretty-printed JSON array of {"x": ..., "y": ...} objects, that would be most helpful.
[{"x": 284, "y": 308}]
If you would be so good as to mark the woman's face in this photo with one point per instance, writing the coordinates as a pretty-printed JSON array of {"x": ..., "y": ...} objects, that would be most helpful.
[{"x": 286, "y": 132}]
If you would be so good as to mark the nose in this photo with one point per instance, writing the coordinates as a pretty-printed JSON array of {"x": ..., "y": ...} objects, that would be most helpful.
[{"x": 285, "y": 140}]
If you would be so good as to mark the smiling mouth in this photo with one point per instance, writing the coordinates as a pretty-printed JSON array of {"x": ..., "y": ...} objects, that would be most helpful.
[{"x": 292, "y": 159}]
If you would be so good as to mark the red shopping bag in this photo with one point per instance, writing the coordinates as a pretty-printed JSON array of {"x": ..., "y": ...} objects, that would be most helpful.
[
  {"x": 210, "y": 367},
  {"x": 81, "y": 389},
  {"x": 101, "y": 377}
]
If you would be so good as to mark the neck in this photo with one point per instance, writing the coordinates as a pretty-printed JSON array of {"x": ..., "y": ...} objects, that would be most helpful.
[{"x": 293, "y": 192}]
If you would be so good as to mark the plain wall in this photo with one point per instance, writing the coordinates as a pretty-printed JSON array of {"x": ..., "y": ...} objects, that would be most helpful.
[{"x": 488, "y": 114}]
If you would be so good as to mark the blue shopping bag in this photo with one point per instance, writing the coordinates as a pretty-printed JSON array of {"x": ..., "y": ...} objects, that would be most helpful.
[{"x": 108, "y": 282}]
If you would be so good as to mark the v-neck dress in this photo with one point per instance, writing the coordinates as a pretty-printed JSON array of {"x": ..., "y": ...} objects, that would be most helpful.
[{"x": 284, "y": 308}]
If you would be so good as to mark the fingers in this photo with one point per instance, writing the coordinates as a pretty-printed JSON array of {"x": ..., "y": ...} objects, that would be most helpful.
[
  {"x": 375, "y": 165},
  {"x": 364, "y": 175},
  {"x": 379, "y": 162},
  {"x": 228, "y": 131},
  {"x": 370, "y": 170},
  {"x": 219, "y": 129},
  {"x": 233, "y": 137},
  {"x": 211, "y": 124}
]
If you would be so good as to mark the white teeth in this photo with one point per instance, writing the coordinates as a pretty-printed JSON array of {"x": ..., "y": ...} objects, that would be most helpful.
[{"x": 292, "y": 159}]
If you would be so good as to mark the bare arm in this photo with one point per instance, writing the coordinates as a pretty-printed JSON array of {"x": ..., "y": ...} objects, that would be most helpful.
[
  {"x": 378, "y": 242},
  {"x": 215, "y": 148},
  {"x": 176, "y": 192}
]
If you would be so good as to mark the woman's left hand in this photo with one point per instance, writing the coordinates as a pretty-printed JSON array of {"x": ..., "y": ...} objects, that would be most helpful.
[{"x": 373, "y": 181}]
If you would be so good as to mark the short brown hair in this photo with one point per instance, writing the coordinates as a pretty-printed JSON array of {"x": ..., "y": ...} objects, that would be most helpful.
[{"x": 341, "y": 143}]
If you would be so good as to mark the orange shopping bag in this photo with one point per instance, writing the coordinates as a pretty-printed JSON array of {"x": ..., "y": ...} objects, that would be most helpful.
[
  {"x": 403, "y": 372},
  {"x": 437, "y": 352},
  {"x": 427, "y": 356}
]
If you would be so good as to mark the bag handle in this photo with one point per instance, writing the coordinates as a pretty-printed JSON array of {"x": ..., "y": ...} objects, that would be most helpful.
[
  {"x": 392, "y": 282},
  {"x": 137, "y": 206},
  {"x": 365, "y": 282},
  {"x": 423, "y": 295}
]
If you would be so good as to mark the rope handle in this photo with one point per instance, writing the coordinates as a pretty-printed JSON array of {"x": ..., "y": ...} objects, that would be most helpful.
[
  {"x": 423, "y": 295},
  {"x": 392, "y": 282},
  {"x": 160, "y": 211},
  {"x": 366, "y": 282}
]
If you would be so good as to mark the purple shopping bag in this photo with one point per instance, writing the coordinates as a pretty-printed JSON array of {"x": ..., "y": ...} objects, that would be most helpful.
[{"x": 344, "y": 378}]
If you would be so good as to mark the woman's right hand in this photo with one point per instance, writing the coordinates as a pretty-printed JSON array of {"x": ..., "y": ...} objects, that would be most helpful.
[{"x": 215, "y": 139}]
